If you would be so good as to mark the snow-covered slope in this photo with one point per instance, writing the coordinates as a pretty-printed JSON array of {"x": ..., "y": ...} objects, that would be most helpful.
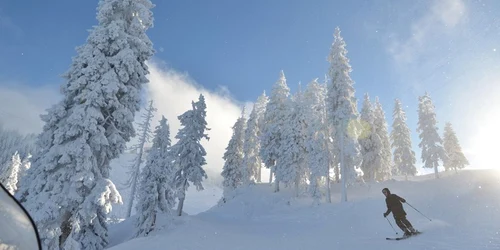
[
  {"x": 196, "y": 201},
  {"x": 464, "y": 208}
]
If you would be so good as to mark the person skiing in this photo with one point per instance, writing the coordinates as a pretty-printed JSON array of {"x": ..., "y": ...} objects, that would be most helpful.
[{"x": 394, "y": 205}]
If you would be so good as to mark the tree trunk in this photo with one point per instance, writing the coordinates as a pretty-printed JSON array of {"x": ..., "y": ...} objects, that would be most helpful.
[
  {"x": 297, "y": 182},
  {"x": 328, "y": 188},
  {"x": 139, "y": 159},
  {"x": 436, "y": 172},
  {"x": 329, "y": 157},
  {"x": 259, "y": 173},
  {"x": 337, "y": 173},
  {"x": 132, "y": 196},
  {"x": 65, "y": 229},
  {"x": 343, "y": 167},
  {"x": 276, "y": 186},
  {"x": 271, "y": 174},
  {"x": 179, "y": 207},
  {"x": 181, "y": 199}
]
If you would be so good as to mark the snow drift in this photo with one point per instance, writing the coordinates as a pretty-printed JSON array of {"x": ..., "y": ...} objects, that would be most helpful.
[{"x": 464, "y": 208}]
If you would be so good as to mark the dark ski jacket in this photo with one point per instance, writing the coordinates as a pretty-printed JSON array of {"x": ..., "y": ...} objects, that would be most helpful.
[{"x": 395, "y": 206}]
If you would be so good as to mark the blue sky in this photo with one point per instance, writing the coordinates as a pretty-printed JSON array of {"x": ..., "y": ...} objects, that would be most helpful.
[{"x": 398, "y": 49}]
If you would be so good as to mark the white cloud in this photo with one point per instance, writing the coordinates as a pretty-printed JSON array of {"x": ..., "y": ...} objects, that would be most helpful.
[
  {"x": 21, "y": 106},
  {"x": 441, "y": 17},
  {"x": 172, "y": 93}
]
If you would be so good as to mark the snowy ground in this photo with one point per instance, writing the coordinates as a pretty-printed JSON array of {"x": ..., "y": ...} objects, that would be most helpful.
[
  {"x": 195, "y": 203},
  {"x": 464, "y": 208}
]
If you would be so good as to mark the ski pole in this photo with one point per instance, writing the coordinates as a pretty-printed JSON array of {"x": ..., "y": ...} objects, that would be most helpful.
[
  {"x": 391, "y": 225},
  {"x": 418, "y": 211}
]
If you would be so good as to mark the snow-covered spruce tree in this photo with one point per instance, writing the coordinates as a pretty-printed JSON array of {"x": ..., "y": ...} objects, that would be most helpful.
[
  {"x": 156, "y": 191},
  {"x": 333, "y": 161},
  {"x": 189, "y": 153},
  {"x": 290, "y": 167},
  {"x": 342, "y": 111},
  {"x": 431, "y": 143},
  {"x": 251, "y": 148},
  {"x": 316, "y": 137},
  {"x": 11, "y": 142},
  {"x": 25, "y": 165},
  {"x": 274, "y": 121},
  {"x": 233, "y": 170},
  {"x": 370, "y": 142},
  {"x": 384, "y": 171},
  {"x": 404, "y": 157},
  {"x": 70, "y": 192},
  {"x": 456, "y": 158},
  {"x": 8, "y": 177},
  {"x": 144, "y": 132}
]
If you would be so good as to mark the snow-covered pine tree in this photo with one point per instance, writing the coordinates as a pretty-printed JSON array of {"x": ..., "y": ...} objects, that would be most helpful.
[
  {"x": 25, "y": 165},
  {"x": 233, "y": 170},
  {"x": 189, "y": 153},
  {"x": 291, "y": 168},
  {"x": 251, "y": 148},
  {"x": 332, "y": 161},
  {"x": 384, "y": 171},
  {"x": 370, "y": 142},
  {"x": 342, "y": 112},
  {"x": 8, "y": 177},
  {"x": 317, "y": 136},
  {"x": 11, "y": 142},
  {"x": 70, "y": 193},
  {"x": 156, "y": 191},
  {"x": 431, "y": 142},
  {"x": 456, "y": 158},
  {"x": 144, "y": 131},
  {"x": 404, "y": 156},
  {"x": 274, "y": 121}
]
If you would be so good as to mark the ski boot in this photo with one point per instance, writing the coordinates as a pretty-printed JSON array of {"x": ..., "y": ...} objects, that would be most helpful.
[{"x": 407, "y": 233}]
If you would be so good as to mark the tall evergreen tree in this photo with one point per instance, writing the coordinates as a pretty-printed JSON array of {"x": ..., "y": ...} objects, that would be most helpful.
[
  {"x": 25, "y": 165},
  {"x": 456, "y": 158},
  {"x": 70, "y": 192},
  {"x": 145, "y": 135},
  {"x": 404, "y": 156},
  {"x": 156, "y": 190},
  {"x": 431, "y": 142},
  {"x": 9, "y": 176},
  {"x": 189, "y": 153},
  {"x": 251, "y": 147},
  {"x": 384, "y": 171},
  {"x": 291, "y": 168},
  {"x": 274, "y": 121},
  {"x": 317, "y": 136},
  {"x": 330, "y": 144},
  {"x": 342, "y": 111},
  {"x": 370, "y": 142},
  {"x": 233, "y": 170},
  {"x": 11, "y": 141}
]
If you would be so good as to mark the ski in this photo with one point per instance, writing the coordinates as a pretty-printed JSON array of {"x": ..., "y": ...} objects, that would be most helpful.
[
  {"x": 398, "y": 238},
  {"x": 404, "y": 237}
]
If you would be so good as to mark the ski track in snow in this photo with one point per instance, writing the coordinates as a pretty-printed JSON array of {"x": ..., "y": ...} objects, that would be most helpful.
[{"x": 464, "y": 208}]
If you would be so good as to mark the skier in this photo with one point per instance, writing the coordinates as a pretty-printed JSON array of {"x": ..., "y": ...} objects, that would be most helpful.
[{"x": 395, "y": 206}]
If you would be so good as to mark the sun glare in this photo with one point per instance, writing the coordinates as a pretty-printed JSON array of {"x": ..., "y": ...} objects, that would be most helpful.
[{"x": 485, "y": 144}]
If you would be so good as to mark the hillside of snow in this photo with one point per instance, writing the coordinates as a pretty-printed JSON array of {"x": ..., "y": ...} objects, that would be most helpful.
[
  {"x": 464, "y": 208},
  {"x": 196, "y": 201}
]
